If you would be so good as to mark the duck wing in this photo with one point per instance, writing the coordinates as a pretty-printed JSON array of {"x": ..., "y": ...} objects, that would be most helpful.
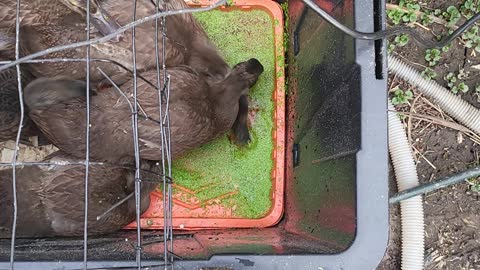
[
  {"x": 192, "y": 122},
  {"x": 10, "y": 108},
  {"x": 63, "y": 197},
  {"x": 191, "y": 110},
  {"x": 31, "y": 217},
  {"x": 51, "y": 199},
  {"x": 110, "y": 127}
]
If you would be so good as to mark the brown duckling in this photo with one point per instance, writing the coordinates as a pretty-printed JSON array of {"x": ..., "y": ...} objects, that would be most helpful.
[
  {"x": 199, "y": 112},
  {"x": 49, "y": 23},
  {"x": 203, "y": 56},
  {"x": 51, "y": 198},
  {"x": 10, "y": 109}
]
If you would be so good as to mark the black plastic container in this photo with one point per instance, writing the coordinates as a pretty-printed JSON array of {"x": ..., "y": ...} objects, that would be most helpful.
[{"x": 336, "y": 200}]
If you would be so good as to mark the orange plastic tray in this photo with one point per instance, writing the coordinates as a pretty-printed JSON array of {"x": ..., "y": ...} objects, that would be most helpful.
[{"x": 189, "y": 212}]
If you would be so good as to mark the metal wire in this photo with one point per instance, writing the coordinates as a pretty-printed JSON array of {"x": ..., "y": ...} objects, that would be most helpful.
[
  {"x": 17, "y": 141},
  {"x": 163, "y": 89},
  {"x": 50, "y": 60},
  {"x": 138, "y": 248},
  {"x": 51, "y": 163},
  {"x": 87, "y": 143}
]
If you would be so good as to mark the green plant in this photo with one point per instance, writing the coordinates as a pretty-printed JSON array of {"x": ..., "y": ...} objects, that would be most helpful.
[
  {"x": 477, "y": 88},
  {"x": 395, "y": 15},
  {"x": 400, "y": 96},
  {"x": 402, "y": 40},
  {"x": 469, "y": 8},
  {"x": 452, "y": 15},
  {"x": 474, "y": 184},
  {"x": 451, "y": 82},
  {"x": 398, "y": 15},
  {"x": 462, "y": 87},
  {"x": 472, "y": 38},
  {"x": 432, "y": 56},
  {"x": 406, "y": 3},
  {"x": 446, "y": 48},
  {"x": 451, "y": 79},
  {"x": 428, "y": 74},
  {"x": 391, "y": 47},
  {"x": 409, "y": 17},
  {"x": 426, "y": 19}
]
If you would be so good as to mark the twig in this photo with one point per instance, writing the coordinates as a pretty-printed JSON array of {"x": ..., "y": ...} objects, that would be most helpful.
[
  {"x": 435, "y": 107},
  {"x": 422, "y": 26},
  {"x": 439, "y": 121},
  {"x": 407, "y": 60},
  {"x": 392, "y": 82},
  {"x": 335, "y": 156},
  {"x": 409, "y": 122},
  {"x": 424, "y": 128},
  {"x": 428, "y": 161}
]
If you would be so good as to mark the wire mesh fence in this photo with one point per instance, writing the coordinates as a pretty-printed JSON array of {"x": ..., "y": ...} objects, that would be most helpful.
[{"x": 162, "y": 85}]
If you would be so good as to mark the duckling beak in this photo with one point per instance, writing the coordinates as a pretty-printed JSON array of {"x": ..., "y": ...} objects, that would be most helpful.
[
  {"x": 105, "y": 23},
  {"x": 101, "y": 20}
]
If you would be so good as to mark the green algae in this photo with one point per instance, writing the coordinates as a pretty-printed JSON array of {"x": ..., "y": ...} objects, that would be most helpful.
[{"x": 221, "y": 167}]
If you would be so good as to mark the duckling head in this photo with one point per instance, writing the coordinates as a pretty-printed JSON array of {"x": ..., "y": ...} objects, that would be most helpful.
[
  {"x": 237, "y": 83},
  {"x": 244, "y": 75},
  {"x": 100, "y": 18}
]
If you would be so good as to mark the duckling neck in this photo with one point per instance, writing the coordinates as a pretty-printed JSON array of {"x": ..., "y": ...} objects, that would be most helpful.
[
  {"x": 226, "y": 95},
  {"x": 226, "y": 110}
]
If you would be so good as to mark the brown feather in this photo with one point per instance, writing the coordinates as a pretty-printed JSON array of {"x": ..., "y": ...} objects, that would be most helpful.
[
  {"x": 198, "y": 113},
  {"x": 51, "y": 198},
  {"x": 49, "y": 23}
]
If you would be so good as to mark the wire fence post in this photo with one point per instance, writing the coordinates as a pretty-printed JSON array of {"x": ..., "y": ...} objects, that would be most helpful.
[
  {"x": 17, "y": 140},
  {"x": 87, "y": 141}
]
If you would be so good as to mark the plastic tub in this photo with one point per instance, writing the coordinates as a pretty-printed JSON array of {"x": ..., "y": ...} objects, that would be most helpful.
[{"x": 213, "y": 185}]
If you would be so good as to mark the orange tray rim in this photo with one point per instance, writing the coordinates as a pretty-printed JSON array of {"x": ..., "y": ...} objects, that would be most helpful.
[{"x": 275, "y": 213}]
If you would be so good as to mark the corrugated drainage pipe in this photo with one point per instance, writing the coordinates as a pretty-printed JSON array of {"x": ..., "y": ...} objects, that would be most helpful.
[
  {"x": 411, "y": 209},
  {"x": 453, "y": 105}
]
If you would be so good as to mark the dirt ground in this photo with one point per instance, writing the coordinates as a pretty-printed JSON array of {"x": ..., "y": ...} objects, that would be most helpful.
[{"x": 452, "y": 239}]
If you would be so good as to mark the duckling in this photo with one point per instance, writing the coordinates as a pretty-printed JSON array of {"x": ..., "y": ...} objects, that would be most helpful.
[
  {"x": 51, "y": 198},
  {"x": 49, "y": 23},
  {"x": 202, "y": 57},
  {"x": 10, "y": 109},
  {"x": 199, "y": 112}
]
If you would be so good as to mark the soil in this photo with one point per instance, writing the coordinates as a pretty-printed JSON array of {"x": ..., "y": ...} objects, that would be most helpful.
[{"x": 452, "y": 239}]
